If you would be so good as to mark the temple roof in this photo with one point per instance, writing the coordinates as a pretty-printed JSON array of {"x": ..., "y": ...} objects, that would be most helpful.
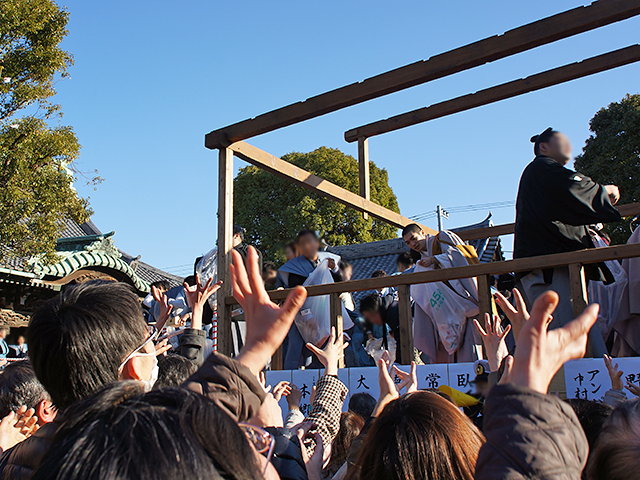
[{"x": 84, "y": 246}]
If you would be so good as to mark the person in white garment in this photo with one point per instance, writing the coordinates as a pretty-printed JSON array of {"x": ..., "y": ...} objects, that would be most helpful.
[{"x": 442, "y": 327}]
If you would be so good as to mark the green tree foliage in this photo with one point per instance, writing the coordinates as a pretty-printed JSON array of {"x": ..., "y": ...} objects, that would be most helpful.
[
  {"x": 36, "y": 153},
  {"x": 611, "y": 155},
  {"x": 273, "y": 210}
]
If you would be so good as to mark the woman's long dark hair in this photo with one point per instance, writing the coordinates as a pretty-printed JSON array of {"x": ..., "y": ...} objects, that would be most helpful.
[
  {"x": 420, "y": 436},
  {"x": 350, "y": 426},
  {"x": 173, "y": 433}
]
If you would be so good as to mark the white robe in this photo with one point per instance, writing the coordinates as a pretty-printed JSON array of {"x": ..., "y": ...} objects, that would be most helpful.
[{"x": 426, "y": 337}]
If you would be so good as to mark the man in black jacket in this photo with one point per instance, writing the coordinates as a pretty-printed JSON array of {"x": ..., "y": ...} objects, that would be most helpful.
[
  {"x": 554, "y": 207},
  {"x": 383, "y": 311}
]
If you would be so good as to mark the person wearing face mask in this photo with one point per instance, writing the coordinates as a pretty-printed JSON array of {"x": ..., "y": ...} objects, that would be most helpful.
[
  {"x": 91, "y": 335},
  {"x": 553, "y": 209}
]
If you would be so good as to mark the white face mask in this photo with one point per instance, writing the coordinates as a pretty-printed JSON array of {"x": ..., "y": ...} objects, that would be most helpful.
[{"x": 148, "y": 384}]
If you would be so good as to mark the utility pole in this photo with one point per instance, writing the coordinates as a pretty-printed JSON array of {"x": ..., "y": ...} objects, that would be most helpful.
[{"x": 442, "y": 213}]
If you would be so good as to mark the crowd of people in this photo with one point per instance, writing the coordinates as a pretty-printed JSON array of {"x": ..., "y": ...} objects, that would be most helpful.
[{"x": 112, "y": 389}]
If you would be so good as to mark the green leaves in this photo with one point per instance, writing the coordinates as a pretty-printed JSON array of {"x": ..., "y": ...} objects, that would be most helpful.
[
  {"x": 36, "y": 158},
  {"x": 611, "y": 155},
  {"x": 273, "y": 210}
]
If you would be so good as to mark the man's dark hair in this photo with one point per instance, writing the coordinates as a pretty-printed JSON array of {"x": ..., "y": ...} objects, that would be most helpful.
[
  {"x": 544, "y": 137},
  {"x": 592, "y": 416},
  {"x": 121, "y": 434},
  {"x": 174, "y": 370},
  {"x": 305, "y": 232},
  {"x": 411, "y": 228},
  {"x": 370, "y": 303},
  {"x": 379, "y": 273},
  {"x": 238, "y": 230},
  {"x": 405, "y": 259},
  {"x": 344, "y": 265},
  {"x": 269, "y": 266},
  {"x": 195, "y": 265},
  {"x": 19, "y": 386},
  {"x": 78, "y": 339},
  {"x": 362, "y": 404},
  {"x": 164, "y": 284}
]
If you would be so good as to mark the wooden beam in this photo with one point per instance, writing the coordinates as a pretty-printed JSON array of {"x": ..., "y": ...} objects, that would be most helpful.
[
  {"x": 225, "y": 244},
  {"x": 532, "y": 35},
  {"x": 302, "y": 178},
  {"x": 406, "y": 324},
  {"x": 363, "y": 170},
  {"x": 512, "y": 89},
  {"x": 585, "y": 257},
  {"x": 335, "y": 307}
]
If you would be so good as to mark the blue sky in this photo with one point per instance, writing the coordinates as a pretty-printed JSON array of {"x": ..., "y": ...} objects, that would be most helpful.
[{"x": 151, "y": 78}]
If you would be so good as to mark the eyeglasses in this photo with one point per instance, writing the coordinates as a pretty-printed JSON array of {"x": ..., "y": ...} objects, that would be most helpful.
[
  {"x": 262, "y": 441},
  {"x": 153, "y": 333}
]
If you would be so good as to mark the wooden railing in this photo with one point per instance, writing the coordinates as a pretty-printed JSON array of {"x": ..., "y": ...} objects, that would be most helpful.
[{"x": 574, "y": 260}]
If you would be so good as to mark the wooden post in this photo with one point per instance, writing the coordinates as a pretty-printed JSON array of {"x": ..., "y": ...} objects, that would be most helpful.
[
  {"x": 335, "y": 307},
  {"x": 578, "y": 288},
  {"x": 277, "y": 359},
  {"x": 484, "y": 299},
  {"x": 579, "y": 296},
  {"x": 363, "y": 169},
  {"x": 406, "y": 324},
  {"x": 225, "y": 245}
]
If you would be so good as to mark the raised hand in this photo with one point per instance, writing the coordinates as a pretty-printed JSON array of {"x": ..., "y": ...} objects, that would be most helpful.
[
  {"x": 196, "y": 296},
  {"x": 426, "y": 262},
  {"x": 635, "y": 389},
  {"x": 165, "y": 308},
  {"x": 614, "y": 374},
  {"x": 331, "y": 354},
  {"x": 16, "y": 427},
  {"x": 408, "y": 380},
  {"x": 282, "y": 389},
  {"x": 494, "y": 340},
  {"x": 294, "y": 397},
  {"x": 541, "y": 353},
  {"x": 518, "y": 316},
  {"x": 267, "y": 323},
  {"x": 388, "y": 391}
]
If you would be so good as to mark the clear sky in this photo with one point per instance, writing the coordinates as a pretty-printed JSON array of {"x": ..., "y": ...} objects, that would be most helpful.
[{"x": 151, "y": 78}]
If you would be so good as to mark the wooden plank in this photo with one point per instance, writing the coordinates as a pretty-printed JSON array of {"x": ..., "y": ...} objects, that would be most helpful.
[
  {"x": 579, "y": 298},
  {"x": 587, "y": 256},
  {"x": 406, "y": 324},
  {"x": 532, "y": 35},
  {"x": 335, "y": 307},
  {"x": 484, "y": 298},
  {"x": 302, "y": 178},
  {"x": 578, "y": 288},
  {"x": 225, "y": 244},
  {"x": 512, "y": 89},
  {"x": 628, "y": 210},
  {"x": 363, "y": 170}
]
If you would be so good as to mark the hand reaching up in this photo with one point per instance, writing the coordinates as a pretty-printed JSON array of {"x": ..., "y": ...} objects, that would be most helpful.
[
  {"x": 614, "y": 374},
  {"x": 494, "y": 340},
  {"x": 331, "y": 354},
  {"x": 408, "y": 380},
  {"x": 517, "y": 315},
  {"x": 16, "y": 427},
  {"x": 196, "y": 296},
  {"x": 388, "y": 391},
  {"x": 541, "y": 353},
  {"x": 267, "y": 323},
  {"x": 165, "y": 308}
]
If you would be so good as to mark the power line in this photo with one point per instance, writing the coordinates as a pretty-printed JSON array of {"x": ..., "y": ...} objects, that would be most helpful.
[{"x": 465, "y": 208}]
